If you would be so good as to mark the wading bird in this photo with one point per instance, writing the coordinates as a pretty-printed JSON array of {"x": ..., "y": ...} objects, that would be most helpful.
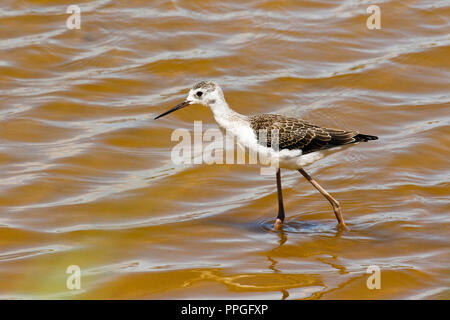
[{"x": 299, "y": 142}]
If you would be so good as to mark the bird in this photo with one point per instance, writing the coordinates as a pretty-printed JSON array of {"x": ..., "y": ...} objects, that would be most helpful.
[{"x": 299, "y": 142}]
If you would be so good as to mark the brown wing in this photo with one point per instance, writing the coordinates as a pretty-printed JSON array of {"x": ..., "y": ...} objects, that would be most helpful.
[{"x": 298, "y": 134}]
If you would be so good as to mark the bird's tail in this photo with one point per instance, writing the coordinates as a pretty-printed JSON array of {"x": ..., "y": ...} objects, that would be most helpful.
[{"x": 364, "y": 137}]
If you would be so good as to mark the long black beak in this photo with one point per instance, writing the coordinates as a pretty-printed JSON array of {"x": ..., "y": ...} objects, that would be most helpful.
[{"x": 177, "y": 107}]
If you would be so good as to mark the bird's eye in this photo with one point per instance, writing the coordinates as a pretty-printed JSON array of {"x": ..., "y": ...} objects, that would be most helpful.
[{"x": 199, "y": 93}]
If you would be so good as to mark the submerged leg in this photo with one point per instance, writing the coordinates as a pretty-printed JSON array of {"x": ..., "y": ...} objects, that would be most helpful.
[
  {"x": 334, "y": 203},
  {"x": 280, "y": 217}
]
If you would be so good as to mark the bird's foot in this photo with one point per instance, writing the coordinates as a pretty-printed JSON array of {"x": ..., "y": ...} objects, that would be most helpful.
[{"x": 278, "y": 225}]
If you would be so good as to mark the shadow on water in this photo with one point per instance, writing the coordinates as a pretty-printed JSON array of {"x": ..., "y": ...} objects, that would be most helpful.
[
  {"x": 265, "y": 225},
  {"x": 300, "y": 227}
]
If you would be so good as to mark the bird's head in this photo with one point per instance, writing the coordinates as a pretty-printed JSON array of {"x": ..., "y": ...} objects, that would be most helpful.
[{"x": 206, "y": 93}]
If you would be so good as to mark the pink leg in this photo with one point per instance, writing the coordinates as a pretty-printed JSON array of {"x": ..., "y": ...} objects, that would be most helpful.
[{"x": 334, "y": 202}]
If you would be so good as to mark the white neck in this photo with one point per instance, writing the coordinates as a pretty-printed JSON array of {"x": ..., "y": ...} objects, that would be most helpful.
[{"x": 220, "y": 109}]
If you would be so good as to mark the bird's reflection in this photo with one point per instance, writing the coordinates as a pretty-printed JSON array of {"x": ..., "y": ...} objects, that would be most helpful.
[
  {"x": 282, "y": 239},
  {"x": 273, "y": 263}
]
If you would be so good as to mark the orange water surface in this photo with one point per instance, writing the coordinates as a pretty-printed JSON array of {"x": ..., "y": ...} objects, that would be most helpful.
[{"x": 86, "y": 176}]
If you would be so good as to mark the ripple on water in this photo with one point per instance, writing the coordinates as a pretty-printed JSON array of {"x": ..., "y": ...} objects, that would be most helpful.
[{"x": 86, "y": 176}]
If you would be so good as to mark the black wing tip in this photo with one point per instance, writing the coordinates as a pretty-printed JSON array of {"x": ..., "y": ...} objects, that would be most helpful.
[{"x": 365, "y": 137}]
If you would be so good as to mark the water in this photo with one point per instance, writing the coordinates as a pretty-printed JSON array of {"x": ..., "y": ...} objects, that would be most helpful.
[{"x": 86, "y": 176}]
